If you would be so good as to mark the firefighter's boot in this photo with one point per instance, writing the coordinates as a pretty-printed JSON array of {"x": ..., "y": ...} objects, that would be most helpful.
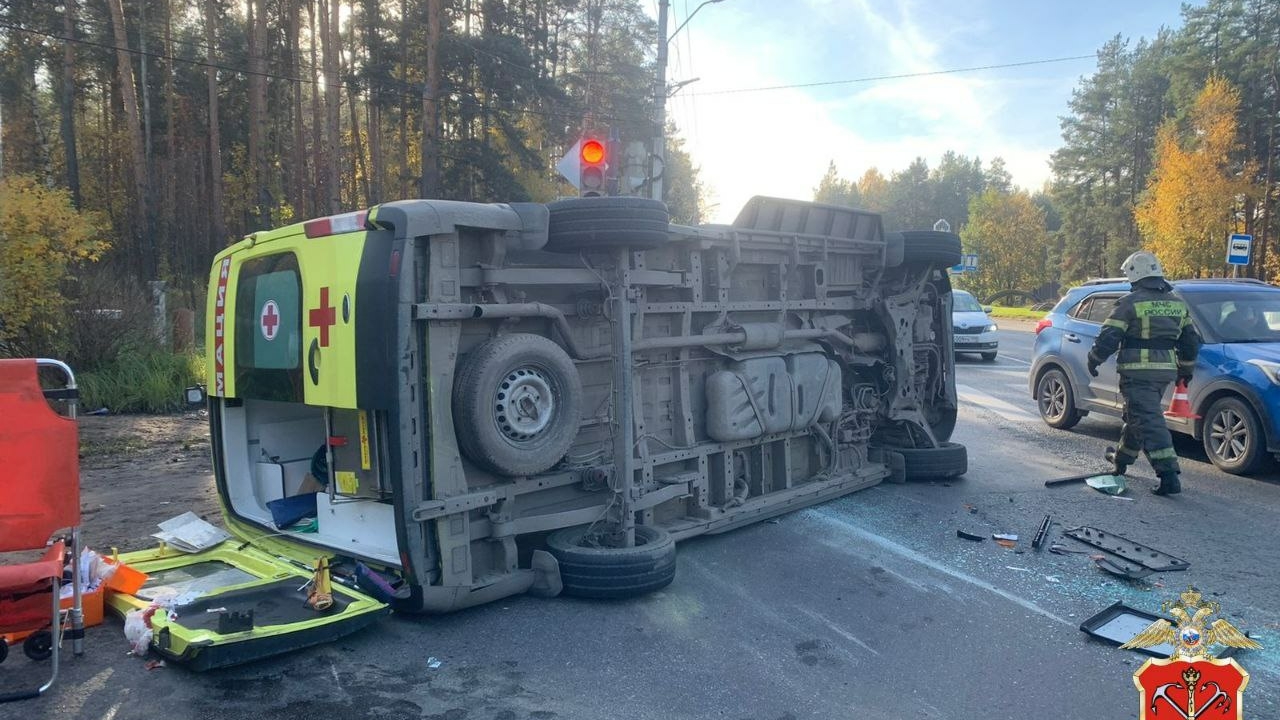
[
  {"x": 1118, "y": 467},
  {"x": 1169, "y": 484}
]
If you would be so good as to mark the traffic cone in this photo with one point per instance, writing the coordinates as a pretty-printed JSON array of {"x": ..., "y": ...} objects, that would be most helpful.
[{"x": 1180, "y": 407}]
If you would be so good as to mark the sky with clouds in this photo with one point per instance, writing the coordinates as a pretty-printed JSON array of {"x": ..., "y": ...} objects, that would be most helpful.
[{"x": 778, "y": 142}]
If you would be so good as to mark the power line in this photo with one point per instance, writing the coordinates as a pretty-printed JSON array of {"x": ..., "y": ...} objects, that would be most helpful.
[{"x": 898, "y": 76}]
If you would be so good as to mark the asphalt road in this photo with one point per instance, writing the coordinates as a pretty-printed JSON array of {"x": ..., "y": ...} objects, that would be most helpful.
[{"x": 868, "y": 606}]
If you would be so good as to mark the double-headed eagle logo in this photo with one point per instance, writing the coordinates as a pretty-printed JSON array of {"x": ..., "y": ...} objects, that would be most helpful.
[
  {"x": 1191, "y": 684},
  {"x": 1191, "y": 639}
]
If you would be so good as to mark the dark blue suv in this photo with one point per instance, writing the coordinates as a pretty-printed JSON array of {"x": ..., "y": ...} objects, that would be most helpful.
[{"x": 1236, "y": 387}]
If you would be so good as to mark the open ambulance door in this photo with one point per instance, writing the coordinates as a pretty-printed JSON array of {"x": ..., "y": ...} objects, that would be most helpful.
[{"x": 235, "y": 603}]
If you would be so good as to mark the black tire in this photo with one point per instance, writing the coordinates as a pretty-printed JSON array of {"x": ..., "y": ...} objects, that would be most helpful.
[
  {"x": 611, "y": 573},
  {"x": 895, "y": 248},
  {"x": 4, "y": 650},
  {"x": 528, "y": 371},
  {"x": 596, "y": 223},
  {"x": 38, "y": 645},
  {"x": 1233, "y": 437},
  {"x": 945, "y": 461},
  {"x": 989, "y": 357},
  {"x": 931, "y": 247},
  {"x": 1056, "y": 400}
]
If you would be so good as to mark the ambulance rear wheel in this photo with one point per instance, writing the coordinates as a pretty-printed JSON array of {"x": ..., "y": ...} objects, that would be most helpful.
[
  {"x": 932, "y": 247},
  {"x": 602, "y": 223},
  {"x": 590, "y": 570},
  {"x": 517, "y": 404}
]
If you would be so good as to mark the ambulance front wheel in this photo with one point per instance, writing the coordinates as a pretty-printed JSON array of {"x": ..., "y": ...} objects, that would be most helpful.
[{"x": 517, "y": 404}]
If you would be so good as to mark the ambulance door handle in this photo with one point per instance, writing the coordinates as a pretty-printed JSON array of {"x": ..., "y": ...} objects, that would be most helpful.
[
  {"x": 1072, "y": 337},
  {"x": 313, "y": 362}
]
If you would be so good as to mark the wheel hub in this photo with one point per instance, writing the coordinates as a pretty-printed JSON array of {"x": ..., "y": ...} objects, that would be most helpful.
[
  {"x": 1053, "y": 398},
  {"x": 1229, "y": 436},
  {"x": 525, "y": 404}
]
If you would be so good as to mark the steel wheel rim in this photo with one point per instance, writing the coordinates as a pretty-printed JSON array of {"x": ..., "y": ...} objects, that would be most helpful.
[
  {"x": 1229, "y": 435},
  {"x": 524, "y": 404},
  {"x": 1053, "y": 398}
]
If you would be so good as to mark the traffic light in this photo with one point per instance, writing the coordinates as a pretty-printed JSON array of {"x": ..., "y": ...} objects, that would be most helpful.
[{"x": 593, "y": 166}]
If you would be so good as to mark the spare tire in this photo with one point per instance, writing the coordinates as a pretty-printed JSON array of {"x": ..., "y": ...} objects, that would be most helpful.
[
  {"x": 517, "y": 404},
  {"x": 608, "y": 572},
  {"x": 931, "y": 247},
  {"x": 602, "y": 223},
  {"x": 945, "y": 461}
]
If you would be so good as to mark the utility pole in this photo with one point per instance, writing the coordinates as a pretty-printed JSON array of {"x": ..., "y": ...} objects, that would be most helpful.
[
  {"x": 658, "y": 158},
  {"x": 430, "y": 185}
]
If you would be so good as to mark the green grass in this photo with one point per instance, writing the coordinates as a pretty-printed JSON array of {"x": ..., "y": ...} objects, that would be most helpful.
[
  {"x": 141, "y": 381},
  {"x": 1017, "y": 313}
]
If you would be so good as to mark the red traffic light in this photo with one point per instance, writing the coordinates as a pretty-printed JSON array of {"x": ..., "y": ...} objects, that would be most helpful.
[{"x": 592, "y": 151}]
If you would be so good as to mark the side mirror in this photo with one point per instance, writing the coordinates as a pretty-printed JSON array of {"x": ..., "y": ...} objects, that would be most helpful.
[
  {"x": 986, "y": 309},
  {"x": 196, "y": 395}
]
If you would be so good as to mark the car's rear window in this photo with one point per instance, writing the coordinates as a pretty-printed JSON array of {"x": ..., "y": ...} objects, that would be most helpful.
[{"x": 269, "y": 329}]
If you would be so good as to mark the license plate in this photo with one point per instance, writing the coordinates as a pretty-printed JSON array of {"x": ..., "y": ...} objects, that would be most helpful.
[{"x": 966, "y": 339}]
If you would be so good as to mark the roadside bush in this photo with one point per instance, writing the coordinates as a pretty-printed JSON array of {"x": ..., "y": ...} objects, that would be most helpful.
[
  {"x": 42, "y": 238},
  {"x": 141, "y": 380},
  {"x": 109, "y": 315}
]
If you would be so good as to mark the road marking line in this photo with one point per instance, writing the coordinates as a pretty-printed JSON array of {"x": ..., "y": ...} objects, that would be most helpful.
[
  {"x": 1008, "y": 411},
  {"x": 1018, "y": 360},
  {"x": 906, "y": 552},
  {"x": 839, "y": 630}
]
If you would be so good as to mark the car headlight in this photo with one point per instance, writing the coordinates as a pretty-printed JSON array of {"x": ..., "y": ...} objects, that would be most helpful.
[
  {"x": 992, "y": 327},
  {"x": 1268, "y": 368}
]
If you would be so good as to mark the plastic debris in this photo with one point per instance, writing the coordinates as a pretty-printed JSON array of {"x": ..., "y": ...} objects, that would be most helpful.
[
  {"x": 154, "y": 664},
  {"x": 1011, "y": 567},
  {"x": 1007, "y": 544},
  {"x": 434, "y": 663},
  {"x": 1005, "y": 536},
  {"x": 964, "y": 535},
  {"x": 1052, "y": 578},
  {"x": 1109, "y": 484}
]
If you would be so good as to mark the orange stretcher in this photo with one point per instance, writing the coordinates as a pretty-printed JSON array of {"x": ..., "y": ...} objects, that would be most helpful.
[{"x": 40, "y": 510}]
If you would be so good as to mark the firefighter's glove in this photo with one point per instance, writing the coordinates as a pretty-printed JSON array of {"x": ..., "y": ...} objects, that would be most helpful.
[{"x": 1093, "y": 366}]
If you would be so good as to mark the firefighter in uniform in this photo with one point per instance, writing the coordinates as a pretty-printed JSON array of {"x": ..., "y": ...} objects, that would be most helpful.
[{"x": 1158, "y": 344}]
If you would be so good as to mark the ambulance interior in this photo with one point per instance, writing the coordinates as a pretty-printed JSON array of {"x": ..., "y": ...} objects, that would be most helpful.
[
  {"x": 270, "y": 449},
  {"x": 318, "y": 473}
]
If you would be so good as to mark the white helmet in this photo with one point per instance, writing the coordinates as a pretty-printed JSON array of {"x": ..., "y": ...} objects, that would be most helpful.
[{"x": 1141, "y": 264}]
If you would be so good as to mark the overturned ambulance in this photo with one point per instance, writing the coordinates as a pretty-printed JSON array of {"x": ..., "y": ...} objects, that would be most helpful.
[{"x": 453, "y": 402}]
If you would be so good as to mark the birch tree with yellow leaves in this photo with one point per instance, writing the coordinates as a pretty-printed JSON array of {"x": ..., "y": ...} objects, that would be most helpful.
[{"x": 1199, "y": 187}]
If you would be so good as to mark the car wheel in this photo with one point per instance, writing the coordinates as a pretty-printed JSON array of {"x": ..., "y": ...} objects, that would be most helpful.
[
  {"x": 517, "y": 404},
  {"x": 1056, "y": 400},
  {"x": 989, "y": 357},
  {"x": 588, "y": 570},
  {"x": 1233, "y": 436},
  {"x": 945, "y": 461}
]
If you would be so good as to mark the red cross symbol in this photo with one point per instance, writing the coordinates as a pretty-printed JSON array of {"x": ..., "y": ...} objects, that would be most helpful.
[
  {"x": 270, "y": 319},
  {"x": 323, "y": 317}
]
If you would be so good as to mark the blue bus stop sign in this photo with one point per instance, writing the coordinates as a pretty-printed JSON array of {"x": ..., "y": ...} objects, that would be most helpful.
[{"x": 1239, "y": 247}]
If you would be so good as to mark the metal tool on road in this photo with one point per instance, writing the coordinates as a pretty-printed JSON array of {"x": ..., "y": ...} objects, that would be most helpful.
[
  {"x": 1069, "y": 480},
  {"x": 1147, "y": 557},
  {"x": 1038, "y": 541}
]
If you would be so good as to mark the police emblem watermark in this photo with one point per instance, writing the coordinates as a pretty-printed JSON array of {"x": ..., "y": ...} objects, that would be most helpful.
[{"x": 1191, "y": 684}]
